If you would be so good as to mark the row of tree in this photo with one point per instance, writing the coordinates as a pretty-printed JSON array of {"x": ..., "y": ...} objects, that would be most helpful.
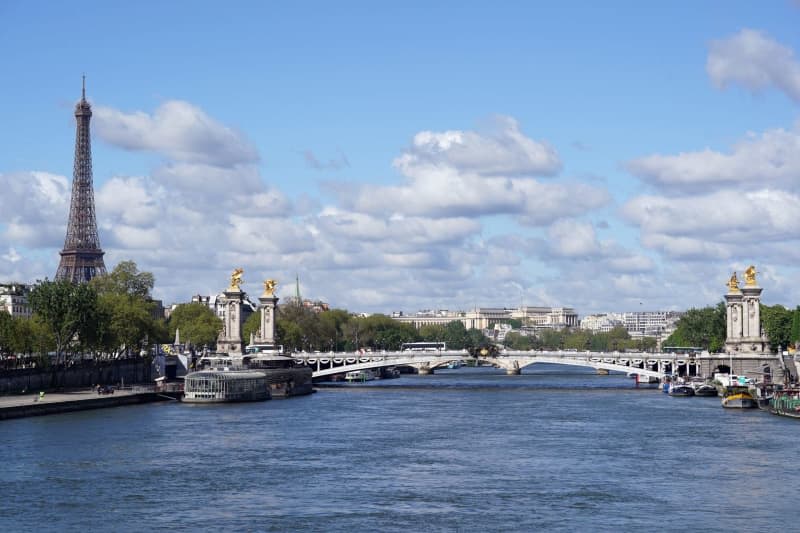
[
  {"x": 113, "y": 315},
  {"x": 301, "y": 329}
]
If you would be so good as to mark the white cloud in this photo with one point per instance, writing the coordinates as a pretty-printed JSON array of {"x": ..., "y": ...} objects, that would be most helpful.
[
  {"x": 770, "y": 158},
  {"x": 755, "y": 61},
  {"x": 572, "y": 238},
  {"x": 455, "y": 174},
  {"x": 501, "y": 150},
  {"x": 178, "y": 130},
  {"x": 34, "y": 207},
  {"x": 11, "y": 256},
  {"x": 727, "y": 217}
]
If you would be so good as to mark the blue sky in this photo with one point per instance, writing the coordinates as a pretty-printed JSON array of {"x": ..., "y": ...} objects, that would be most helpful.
[{"x": 401, "y": 156}]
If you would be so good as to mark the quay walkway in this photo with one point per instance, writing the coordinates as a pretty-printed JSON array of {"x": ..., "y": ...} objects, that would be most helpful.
[{"x": 23, "y": 405}]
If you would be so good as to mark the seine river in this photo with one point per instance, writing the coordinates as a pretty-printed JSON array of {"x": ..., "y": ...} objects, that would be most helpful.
[{"x": 464, "y": 450}]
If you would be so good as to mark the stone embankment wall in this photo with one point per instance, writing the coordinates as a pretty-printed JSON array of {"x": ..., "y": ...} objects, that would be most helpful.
[
  {"x": 85, "y": 374},
  {"x": 39, "y": 409}
]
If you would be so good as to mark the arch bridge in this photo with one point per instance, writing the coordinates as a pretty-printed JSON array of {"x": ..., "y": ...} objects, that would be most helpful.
[{"x": 644, "y": 364}]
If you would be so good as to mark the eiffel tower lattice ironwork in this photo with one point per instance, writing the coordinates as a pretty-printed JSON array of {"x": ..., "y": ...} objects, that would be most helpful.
[{"x": 81, "y": 258}]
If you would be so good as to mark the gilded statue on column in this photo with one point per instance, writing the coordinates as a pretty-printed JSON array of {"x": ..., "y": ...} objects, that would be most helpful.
[
  {"x": 236, "y": 279},
  {"x": 733, "y": 284},
  {"x": 269, "y": 287},
  {"x": 750, "y": 276}
]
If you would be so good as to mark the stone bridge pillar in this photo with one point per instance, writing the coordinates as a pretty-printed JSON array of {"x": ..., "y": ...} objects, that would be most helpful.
[
  {"x": 425, "y": 369},
  {"x": 514, "y": 369}
]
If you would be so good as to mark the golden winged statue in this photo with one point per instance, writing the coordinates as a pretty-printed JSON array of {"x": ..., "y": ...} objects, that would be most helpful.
[
  {"x": 236, "y": 279},
  {"x": 733, "y": 284},
  {"x": 750, "y": 276},
  {"x": 269, "y": 287}
]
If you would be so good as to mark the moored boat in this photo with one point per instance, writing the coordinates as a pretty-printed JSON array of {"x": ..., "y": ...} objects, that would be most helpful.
[
  {"x": 786, "y": 403},
  {"x": 680, "y": 389},
  {"x": 705, "y": 389},
  {"x": 359, "y": 376},
  {"x": 219, "y": 386},
  {"x": 738, "y": 398}
]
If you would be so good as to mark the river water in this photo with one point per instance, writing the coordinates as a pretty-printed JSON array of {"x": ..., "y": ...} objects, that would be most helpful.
[{"x": 463, "y": 450}]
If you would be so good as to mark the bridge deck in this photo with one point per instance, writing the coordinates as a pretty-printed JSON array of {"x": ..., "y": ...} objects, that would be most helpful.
[{"x": 642, "y": 363}]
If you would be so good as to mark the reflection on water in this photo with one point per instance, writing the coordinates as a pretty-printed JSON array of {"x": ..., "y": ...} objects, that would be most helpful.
[{"x": 468, "y": 449}]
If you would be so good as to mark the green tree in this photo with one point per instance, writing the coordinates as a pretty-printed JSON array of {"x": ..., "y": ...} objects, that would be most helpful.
[
  {"x": 251, "y": 326},
  {"x": 125, "y": 279},
  {"x": 700, "y": 327},
  {"x": 197, "y": 323},
  {"x": 795, "y": 333},
  {"x": 7, "y": 333},
  {"x": 515, "y": 341},
  {"x": 127, "y": 322},
  {"x": 126, "y": 310},
  {"x": 67, "y": 310},
  {"x": 432, "y": 332},
  {"x": 552, "y": 339},
  {"x": 776, "y": 321}
]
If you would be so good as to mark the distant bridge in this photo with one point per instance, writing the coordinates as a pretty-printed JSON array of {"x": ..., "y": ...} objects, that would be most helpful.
[{"x": 650, "y": 365}]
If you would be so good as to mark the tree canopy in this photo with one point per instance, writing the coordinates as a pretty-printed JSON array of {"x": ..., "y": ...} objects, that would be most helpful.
[{"x": 197, "y": 323}]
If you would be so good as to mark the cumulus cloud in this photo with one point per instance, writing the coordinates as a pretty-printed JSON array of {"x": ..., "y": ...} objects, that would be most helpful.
[
  {"x": 34, "y": 207},
  {"x": 455, "y": 174},
  {"x": 177, "y": 130},
  {"x": 770, "y": 158},
  {"x": 729, "y": 216},
  {"x": 501, "y": 150},
  {"x": 754, "y": 60}
]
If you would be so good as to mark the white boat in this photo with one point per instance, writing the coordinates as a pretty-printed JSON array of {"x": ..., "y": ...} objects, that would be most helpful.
[
  {"x": 359, "y": 376},
  {"x": 704, "y": 389},
  {"x": 680, "y": 389}
]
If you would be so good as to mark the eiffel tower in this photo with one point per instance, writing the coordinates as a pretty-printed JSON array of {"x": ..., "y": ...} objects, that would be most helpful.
[{"x": 81, "y": 258}]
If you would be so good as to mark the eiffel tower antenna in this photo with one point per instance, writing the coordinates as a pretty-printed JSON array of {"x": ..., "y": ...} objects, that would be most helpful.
[{"x": 82, "y": 257}]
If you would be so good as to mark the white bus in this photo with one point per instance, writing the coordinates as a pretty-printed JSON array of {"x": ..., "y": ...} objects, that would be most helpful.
[{"x": 423, "y": 346}]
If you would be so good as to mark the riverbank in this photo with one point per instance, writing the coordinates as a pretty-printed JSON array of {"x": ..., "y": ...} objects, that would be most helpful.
[{"x": 25, "y": 405}]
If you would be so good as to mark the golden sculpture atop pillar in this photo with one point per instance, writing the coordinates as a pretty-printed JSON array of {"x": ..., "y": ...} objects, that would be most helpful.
[
  {"x": 750, "y": 276},
  {"x": 269, "y": 287},
  {"x": 236, "y": 279},
  {"x": 733, "y": 284}
]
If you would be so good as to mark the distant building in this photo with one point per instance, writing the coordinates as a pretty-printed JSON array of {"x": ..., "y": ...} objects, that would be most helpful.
[
  {"x": 317, "y": 306},
  {"x": 547, "y": 317},
  {"x": 485, "y": 318},
  {"x": 639, "y": 324},
  {"x": 602, "y": 322},
  {"x": 14, "y": 299},
  {"x": 650, "y": 323}
]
